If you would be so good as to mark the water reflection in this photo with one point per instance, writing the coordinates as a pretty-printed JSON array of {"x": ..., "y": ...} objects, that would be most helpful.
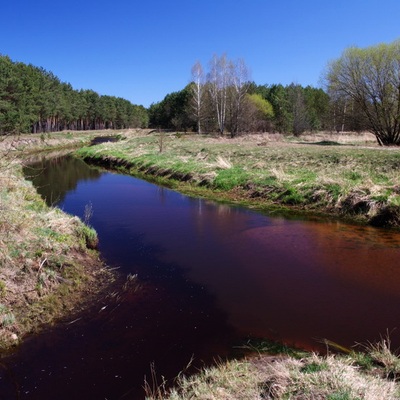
[
  {"x": 293, "y": 280},
  {"x": 215, "y": 275},
  {"x": 54, "y": 177}
]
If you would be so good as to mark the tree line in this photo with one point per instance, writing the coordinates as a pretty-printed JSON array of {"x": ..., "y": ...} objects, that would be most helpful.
[
  {"x": 225, "y": 99},
  {"x": 362, "y": 92},
  {"x": 33, "y": 100}
]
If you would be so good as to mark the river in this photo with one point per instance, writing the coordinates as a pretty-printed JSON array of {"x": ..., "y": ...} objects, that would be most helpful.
[{"x": 212, "y": 277}]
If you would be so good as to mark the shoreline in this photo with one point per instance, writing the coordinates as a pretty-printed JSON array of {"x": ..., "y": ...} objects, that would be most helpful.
[
  {"x": 50, "y": 269},
  {"x": 264, "y": 174}
]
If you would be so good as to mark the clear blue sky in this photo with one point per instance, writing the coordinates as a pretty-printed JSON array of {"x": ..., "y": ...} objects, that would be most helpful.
[{"x": 143, "y": 50}]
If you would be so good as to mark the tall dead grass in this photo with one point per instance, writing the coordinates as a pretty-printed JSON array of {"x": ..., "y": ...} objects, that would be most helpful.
[
  {"x": 334, "y": 173},
  {"x": 314, "y": 377},
  {"x": 38, "y": 250}
]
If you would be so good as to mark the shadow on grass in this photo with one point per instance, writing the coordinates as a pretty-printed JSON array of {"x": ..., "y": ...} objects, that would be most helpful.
[{"x": 326, "y": 143}]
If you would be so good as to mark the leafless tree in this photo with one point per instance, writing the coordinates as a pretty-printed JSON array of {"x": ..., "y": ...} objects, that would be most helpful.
[
  {"x": 228, "y": 84},
  {"x": 198, "y": 90},
  {"x": 239, "y": 85},
  {"x": 218, "y": 83}
]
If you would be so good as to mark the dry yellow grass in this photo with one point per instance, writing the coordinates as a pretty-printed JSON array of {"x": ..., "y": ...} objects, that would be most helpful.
[
  {"x": 281, "y": 378},
  {"x": 42, "y": 253},
  {"x": 345, "y": 175}
]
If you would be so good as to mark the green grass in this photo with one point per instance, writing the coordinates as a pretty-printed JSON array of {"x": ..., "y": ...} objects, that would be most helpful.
[
  {"x": 395, "y": 200},
  {"x": 342, "y": 395},
  {"x": 38, "y": 252},
  {"x": 89, "y": 236},
  {"x": 328, "y": 179},
  {"x": 228, "y": 179},
  {"x": 314, "y": 367}
]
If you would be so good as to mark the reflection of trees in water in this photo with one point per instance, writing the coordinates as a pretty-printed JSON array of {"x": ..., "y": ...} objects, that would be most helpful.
[{"x": 54, "y": 177}]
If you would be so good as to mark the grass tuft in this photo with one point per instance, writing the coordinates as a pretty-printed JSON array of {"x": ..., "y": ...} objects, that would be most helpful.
[
  {"x": 281, "y": 378},
  {"x": 382, "y": 355}
]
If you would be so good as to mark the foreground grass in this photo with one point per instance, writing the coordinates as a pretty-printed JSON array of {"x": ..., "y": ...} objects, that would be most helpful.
[
  {"x": 371, "y": 375},
  {"x": 47, "y": 267},
  {"x": 342, "y": 175}
]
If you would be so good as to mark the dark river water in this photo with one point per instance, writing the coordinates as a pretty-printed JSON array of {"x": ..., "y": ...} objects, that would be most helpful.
[{"x": 212, "y": 276}]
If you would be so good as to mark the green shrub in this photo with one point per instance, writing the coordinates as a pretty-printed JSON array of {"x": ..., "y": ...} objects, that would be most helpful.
[
  {"x": 89, "y": 235},
  {"x": 292, "y": 196},
  {"x": 230, "y": 178}
]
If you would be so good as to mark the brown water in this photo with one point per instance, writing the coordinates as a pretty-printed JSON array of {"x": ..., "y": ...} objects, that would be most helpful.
[{"x": 213, "y": 276}]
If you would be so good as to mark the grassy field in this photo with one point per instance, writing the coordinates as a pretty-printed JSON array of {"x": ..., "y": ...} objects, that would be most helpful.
[{"x": 340, "y": 175}]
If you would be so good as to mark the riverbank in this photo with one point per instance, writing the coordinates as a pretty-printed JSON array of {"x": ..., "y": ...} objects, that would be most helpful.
[
  {"x": 336, "y": 175},
  {"x": 42, "y": 243},
  {"x": 49, "y": 268},
  {"x": 340, "y": 176},
  {"x": 371, "y": 375}
]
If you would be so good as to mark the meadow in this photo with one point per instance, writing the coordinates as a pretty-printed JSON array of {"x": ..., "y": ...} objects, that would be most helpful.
[{"x": 344, "y": 176}]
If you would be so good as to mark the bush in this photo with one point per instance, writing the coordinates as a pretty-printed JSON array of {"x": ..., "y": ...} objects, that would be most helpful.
[{"x": 230, "y": 178}]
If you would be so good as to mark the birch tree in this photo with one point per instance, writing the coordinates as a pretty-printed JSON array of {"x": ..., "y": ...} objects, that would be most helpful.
[
  {"x": 198, "y": 90},
  {"x": 239, "y": 86},
  {"x": 218, "y": 83},
  {"x": 228, "y": 83}
]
